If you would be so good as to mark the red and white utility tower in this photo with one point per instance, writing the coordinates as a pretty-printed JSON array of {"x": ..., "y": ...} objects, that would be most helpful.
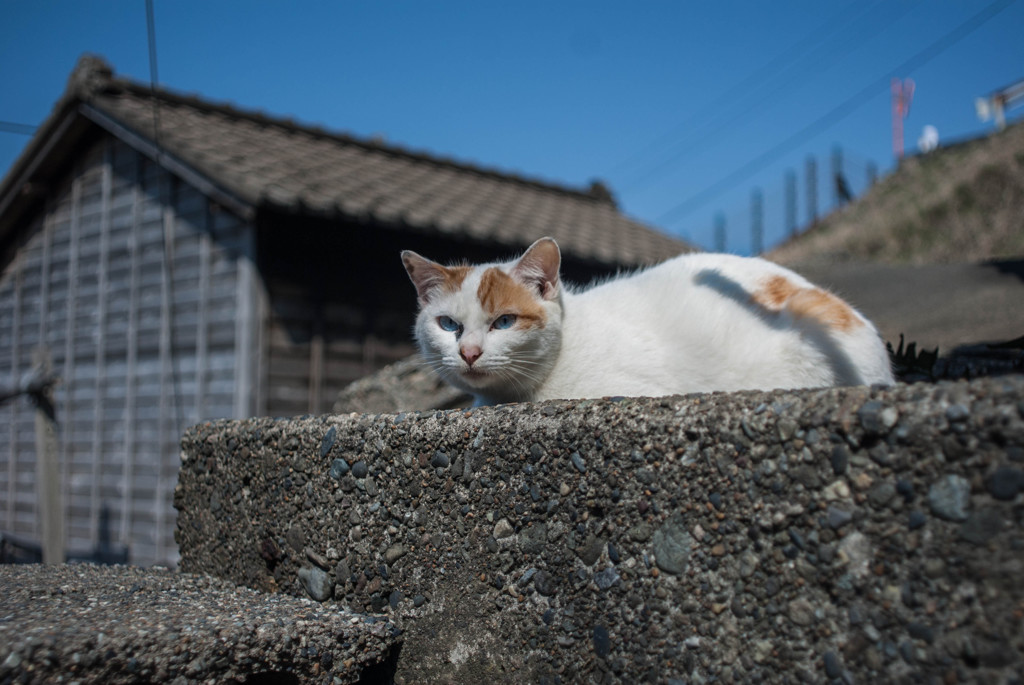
[{"x": 902, "y": 94}]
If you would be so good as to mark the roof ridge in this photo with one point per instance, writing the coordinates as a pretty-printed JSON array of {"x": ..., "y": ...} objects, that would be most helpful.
[{"x": 94, "y": 76}]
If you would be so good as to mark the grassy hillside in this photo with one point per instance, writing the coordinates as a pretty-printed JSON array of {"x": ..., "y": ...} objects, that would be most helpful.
[{"x": 962, "y": 203}]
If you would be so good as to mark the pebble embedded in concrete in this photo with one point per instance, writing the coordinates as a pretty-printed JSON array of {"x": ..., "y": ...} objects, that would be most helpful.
[{"x": 949, "y": 497}]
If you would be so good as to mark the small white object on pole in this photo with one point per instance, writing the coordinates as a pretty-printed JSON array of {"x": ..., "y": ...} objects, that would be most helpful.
[{"x": 929, "y": 139}]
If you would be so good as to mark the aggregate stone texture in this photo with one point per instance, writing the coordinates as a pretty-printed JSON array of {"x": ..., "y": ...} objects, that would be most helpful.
[
  {"x": 846, "y": 535},
  {"x": 107, "y": 624}
]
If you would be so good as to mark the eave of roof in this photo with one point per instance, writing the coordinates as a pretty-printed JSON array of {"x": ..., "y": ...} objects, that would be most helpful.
[
  {"x": 248, "y": 161},
  {"x": 169, "y": 161}
]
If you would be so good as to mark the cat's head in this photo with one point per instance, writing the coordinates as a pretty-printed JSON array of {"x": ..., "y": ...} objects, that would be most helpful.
[{"x": 493, "y": 330}]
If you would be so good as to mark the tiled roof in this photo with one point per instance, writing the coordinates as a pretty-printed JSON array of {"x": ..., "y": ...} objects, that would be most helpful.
[{"x": 273, "y": 162}]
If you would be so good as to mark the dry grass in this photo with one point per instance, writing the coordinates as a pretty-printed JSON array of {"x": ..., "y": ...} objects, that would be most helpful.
[{"x": 964, "y": 203}]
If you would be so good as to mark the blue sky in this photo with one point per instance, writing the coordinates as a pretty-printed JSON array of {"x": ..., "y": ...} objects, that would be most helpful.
[{"x": 682, "y": 108}]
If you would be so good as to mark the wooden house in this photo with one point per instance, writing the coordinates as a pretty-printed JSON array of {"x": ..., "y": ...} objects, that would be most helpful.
[{"x": 181, "y": 260}]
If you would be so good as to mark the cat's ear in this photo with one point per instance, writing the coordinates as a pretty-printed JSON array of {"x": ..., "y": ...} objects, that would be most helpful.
[
  {"x": 538, "y": 268},
  {"x": 427, "y": 276}
]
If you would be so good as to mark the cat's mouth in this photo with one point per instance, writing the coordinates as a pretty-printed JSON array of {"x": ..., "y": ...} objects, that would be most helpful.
[{"x": 472, "y": 374}]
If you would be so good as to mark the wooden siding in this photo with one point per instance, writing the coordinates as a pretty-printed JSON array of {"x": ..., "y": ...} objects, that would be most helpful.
[
  {"x": 315, "y": 349},
  {"x": 131, "y": 279},
  {"x": 340, "y": 306}
]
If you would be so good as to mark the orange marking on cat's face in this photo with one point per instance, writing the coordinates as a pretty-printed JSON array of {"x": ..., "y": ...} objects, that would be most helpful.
[
  {"x": 453, "y": 277},
  {"x": 812, "y": 303},
  {"x": 500, "y": 294},
  {"x": 430, "y": 277}
]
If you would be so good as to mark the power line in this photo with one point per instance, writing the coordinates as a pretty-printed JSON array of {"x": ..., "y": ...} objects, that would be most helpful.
[
  {"x": 758, "y": 77},
  {"x": 167, "y": 194},
  {"x": 837, "y": 113},
  {"x": 153, "y": 78},
  {"x": 758, "y": 103},
  {"x": 21, "y": 129}
]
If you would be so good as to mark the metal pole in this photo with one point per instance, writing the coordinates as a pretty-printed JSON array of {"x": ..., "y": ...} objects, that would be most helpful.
[
  {"x": 791, "y": 203},
  {"x": 812, "y": 191},
  {"x": 756, "y": 222},
  {"x": 720, "y": 232},
  {"x": 837, "y": 176}
]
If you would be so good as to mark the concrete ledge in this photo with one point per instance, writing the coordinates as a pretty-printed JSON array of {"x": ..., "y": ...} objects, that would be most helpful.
[
  {"x": 847, "y": 533},
  {"x": 105, "y": 624}
]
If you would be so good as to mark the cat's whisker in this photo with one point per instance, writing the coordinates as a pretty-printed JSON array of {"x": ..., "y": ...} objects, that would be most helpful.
[
  {"x": 532, "y": 374},
  {"x": 522, "y": 374},
  {"x": 510, "y": 378},
  {"x": 527, "y": 362},
  {"x": 523, "y": 379}
]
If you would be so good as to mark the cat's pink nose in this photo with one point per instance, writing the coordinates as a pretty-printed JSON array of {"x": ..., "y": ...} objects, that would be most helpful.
[{"x": 470, "y": 353}]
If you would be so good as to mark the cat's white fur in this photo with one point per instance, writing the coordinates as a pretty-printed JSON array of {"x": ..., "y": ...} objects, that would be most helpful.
[{"x": 696, "y": 323}]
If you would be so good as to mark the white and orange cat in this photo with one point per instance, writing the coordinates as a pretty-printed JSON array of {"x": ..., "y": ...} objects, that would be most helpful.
[{"x": 512, "y": 331}]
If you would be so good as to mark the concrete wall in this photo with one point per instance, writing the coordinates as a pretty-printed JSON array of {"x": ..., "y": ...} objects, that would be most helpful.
[{"x": 850, "y": 533}]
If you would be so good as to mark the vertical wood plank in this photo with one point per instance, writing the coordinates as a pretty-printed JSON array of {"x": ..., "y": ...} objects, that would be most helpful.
[
  {"x": 51, "y": 511},
  {"x": 44, "y": 266},
  {"x": 68, "y": 375},
  {"x": 202, "y": 318},
  {"x": 132, "y": 350},
  {"x": 316, "y": 359},
  {"x": 19, "y": 268},
  {"x": 369, "y": 354},
  {"x": 168, "y": 403},
  {"x": 261, "y": 366},
  {"x": 245, "y": 337},
  {"x": 99, "y": 393}
]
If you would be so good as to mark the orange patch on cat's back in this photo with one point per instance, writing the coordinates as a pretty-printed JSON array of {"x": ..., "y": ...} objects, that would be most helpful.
[
  {"x": 779, "y": 292},
  {"x": 774, "y": 293},
  {"x": 500, "y": 294}
]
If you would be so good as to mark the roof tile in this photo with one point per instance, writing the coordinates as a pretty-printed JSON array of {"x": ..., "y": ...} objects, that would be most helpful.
[{"x": 307, "y": 169}]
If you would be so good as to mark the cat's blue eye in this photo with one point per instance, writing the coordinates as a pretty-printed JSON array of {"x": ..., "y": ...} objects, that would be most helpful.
[
  {"x": 504, "y": 321},
  {"x": 449, "y": 324}
]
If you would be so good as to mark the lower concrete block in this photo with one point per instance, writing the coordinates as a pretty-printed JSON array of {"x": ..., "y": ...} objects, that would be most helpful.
[{"x": 79, "y": 623}]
